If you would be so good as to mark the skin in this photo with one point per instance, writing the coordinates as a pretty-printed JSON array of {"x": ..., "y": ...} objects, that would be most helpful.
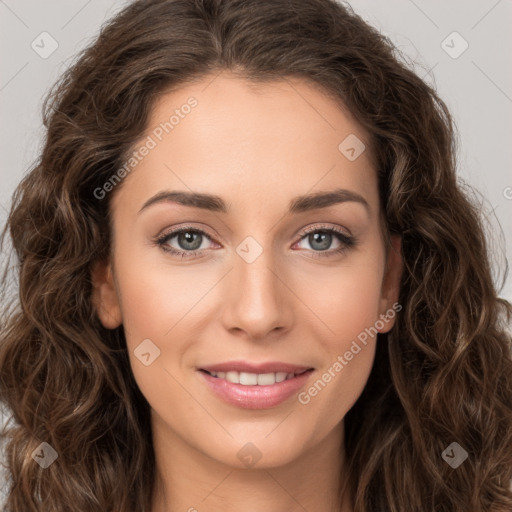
[{"x": 257, "y": 147}]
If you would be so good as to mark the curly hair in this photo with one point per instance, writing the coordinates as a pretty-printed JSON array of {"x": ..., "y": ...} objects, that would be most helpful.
[{"x": 443, "y": 374}]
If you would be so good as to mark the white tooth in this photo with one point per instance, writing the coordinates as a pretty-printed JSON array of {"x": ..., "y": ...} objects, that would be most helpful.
[
  {"x": 290, "y": 376},
  {"x": 221, "y": 375},
  {"x": 233, "y": 377},
  {"x": 214, "y": 374},
  {"x": 266, "y": 379},
  {"x": 280, "y": 376},
  {"x": 248, "y": 379}
]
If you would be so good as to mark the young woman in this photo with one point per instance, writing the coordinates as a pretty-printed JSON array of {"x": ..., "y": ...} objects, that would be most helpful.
[{"x": 248, "y": 279}]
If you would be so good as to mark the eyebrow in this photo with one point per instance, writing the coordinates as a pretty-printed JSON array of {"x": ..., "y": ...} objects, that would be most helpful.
[{"x": 215, "y": 203}]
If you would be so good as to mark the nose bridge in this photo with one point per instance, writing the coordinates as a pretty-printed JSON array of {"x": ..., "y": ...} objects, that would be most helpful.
[
  {"x": 256, "y": 304},
  {"x": 252, "y": 269}
]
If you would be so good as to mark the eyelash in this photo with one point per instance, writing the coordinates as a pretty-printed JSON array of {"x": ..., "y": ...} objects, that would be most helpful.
[{"x": 346, "y": 241}]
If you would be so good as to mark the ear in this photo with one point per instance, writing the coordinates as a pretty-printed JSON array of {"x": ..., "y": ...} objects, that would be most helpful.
[
  {"x": 104, "y": 296},
  {"x": 390, "y": 290}
]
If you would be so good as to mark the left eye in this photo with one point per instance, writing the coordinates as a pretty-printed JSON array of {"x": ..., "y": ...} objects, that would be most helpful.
[
  {"x": 321, "y": 240},
  {"x": 190, "y": 241}
]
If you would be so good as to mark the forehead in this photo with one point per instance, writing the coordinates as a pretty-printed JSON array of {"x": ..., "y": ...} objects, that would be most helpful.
[{"x": 225, "y": 135}]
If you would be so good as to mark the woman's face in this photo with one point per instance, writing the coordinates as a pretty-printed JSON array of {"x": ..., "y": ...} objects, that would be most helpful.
[{"x": 256, "y": 286}]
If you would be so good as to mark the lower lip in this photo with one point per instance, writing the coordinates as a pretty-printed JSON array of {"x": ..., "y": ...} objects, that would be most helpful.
[{"x": 255, "y": 397}]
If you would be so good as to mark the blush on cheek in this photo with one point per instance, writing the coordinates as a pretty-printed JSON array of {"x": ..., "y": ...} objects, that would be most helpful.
[
  {"x": 154, "y": 302},
  {"x": 355, "y": 308}
]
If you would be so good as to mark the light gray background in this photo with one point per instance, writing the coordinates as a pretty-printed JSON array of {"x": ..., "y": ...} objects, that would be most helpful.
[{"x": 477, "y": 86}]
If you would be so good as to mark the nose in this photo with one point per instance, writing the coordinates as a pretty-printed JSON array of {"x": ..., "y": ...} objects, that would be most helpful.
[{"x": 258, "y": 301}]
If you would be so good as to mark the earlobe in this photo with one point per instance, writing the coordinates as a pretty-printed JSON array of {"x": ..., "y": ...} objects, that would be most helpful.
[
  {"x": 104, "y": 296},
  {"x": 390, "y": 291}
]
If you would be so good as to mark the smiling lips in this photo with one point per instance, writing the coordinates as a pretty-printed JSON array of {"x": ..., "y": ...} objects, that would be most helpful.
[{"x": 255, "y": 386}]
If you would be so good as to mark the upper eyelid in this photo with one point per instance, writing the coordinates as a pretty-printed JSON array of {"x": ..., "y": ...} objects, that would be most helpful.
[
  {"x": 173, "y": 232},
  {"x": 337, "y": 229}
]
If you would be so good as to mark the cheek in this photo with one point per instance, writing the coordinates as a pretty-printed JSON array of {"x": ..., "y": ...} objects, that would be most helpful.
[
  {"x": 348, "y": 354},
  {"x": 353, "y": 304},
  {"x": 346, "y": 298},
  {"x": 347, "y": 302},
  {"x": 164, "y": 304},
  {"x": 156, "y": 299}
]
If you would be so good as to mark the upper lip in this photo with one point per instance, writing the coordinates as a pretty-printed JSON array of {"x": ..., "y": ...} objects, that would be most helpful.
[{"x": 243, "y": 366}]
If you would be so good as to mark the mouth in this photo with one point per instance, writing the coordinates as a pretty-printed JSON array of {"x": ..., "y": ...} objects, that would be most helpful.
[{"x": 264, "y": 387}]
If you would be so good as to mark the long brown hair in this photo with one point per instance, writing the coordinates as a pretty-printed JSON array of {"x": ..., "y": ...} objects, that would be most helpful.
[{"x": 442, "y": 375}]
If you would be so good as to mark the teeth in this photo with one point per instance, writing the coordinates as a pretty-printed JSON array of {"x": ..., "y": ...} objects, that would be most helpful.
[
  {"x": 253, "y": 379},
  {"x": 233, "y": 377},
  {"x": 267, "y": 379},
  {"x": 248, "y": 379},
  {"x": 280, "y": 376}
]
